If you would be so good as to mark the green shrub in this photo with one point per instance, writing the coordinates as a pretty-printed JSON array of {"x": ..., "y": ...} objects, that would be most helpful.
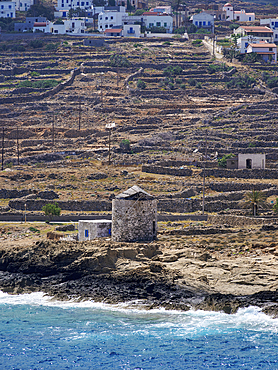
[
  {"x": 182, "y": 86},
  {"x": 242, "y": 82},
  {"x": 213, "y": 68},
  {"x": 41, "y": 84},
  {"x": 141, "y": 84},
  {"x": 171, "y": 86},
  {"x": 192, "y": 82},
  {"x": 222, "y": 162},
  {"x": 118, "y": 60},
  {"x": 198, "y": 85},
  {"x": 35, "y": 74},
  {"x": 36, "y": 44},
  {"x": 197, "y": 42},
  {"x": 172, "y": 71},
  {"x": 167, "y": 43},
  {"x": 202, "y": 31},
  {"x": 51, "y": 46},
  {"x": 275, "y": 207},
  {"x": 51, "y": 210}
]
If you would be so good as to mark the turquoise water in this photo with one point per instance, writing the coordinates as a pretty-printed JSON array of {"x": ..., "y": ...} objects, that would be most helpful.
[{"x": 37, "y": 333}]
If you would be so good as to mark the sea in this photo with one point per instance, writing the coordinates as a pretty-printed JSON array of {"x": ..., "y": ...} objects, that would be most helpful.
[{"x": 37, "y": 332}]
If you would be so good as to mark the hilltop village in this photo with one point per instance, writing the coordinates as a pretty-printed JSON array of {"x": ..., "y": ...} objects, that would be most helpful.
[{"x": 139, "y": 152}]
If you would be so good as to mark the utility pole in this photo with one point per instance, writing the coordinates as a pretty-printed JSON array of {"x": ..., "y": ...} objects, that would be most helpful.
[
  {"x": 101, "y": 92},
  {"x": 109, "y": 126},
  {"x": 117, "y": 76},
  {"x": 17, "y": 145},
  {"x": 53, "y": 125},
  {"x": 3, "y": 133},
  {"x": 79, "y": 117},
  {"x": 204, "y": 175}
]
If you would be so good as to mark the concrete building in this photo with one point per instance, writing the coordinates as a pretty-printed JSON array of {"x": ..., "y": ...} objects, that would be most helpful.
[
  {"x": 204, "y": 20},
  {"x": 134, "y": 216},
  {"x": 28, "y": 24},
  {"x": 133, "y": 30},
  {"x": 7, "y": 9},
  {"x": 73, "y": 4},
  {"x": 247, "y": 161},
  {"x": 23, "y": 5},
  {"x": 237, "y": 15},
  {"x": 267, "y": 51},
  {"x": 111, "y": 18},
  {"x": 273, "y": 24},
  {"x": 255, "y": 33},
  {"x": 92, "y": 229},
  {"x": 70, "y": 26},
  {"x": 154, "y": 19}
]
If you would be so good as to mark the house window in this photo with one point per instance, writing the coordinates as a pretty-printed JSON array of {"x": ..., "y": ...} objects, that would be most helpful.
[
  {"x": 150, "y": 25},
  {"x": 106, "y": 26},
  {"x": 246, "y": 44},
  {"x": 270, "y": 49},
  {"x": 106, "y": 18},
  {"x": 86, "y": 233},
  {"x": 158, "y": 24},
  {"x": 87, "y": 3},
  {"x": 276, "y": 24},
  {"x": 276, "y": 36},
  {"x": 10, "y": 7},
  {"x": 209, "y": 23},
  {"x": 100, "y": 18},
  {"x": 77, "y": 3},
  {"x": 82, "y": 3},
  {"x": 111, "y": 25},
  {"x": 249, "y": 19},
  {"x": 55, "y": 31},
  {"x": 196, "y": 23},
  {"x": 111, "y": 17},
  {"x": 165, "y": 24},
  {"x": 204, "y": 23}
]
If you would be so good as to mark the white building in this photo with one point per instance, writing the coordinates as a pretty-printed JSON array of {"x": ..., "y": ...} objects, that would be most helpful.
[
  {"x": 73, "y": 4},
  {"x": 154, "y": 19},
  {"x": 259, "y": 33},
  {"x": 131, "y": 30},
  {"x": 273, "y": 24},
  {"x": 71, "y": 26},
  {"x": 111, "y": 18},
  {"x": 204, "y": 20},
  {"x": 235, "y": 15},
  {"x": 162, "y": 9},
  {"x": 23, "y": 5},
  {"x": 92, "y": 229},
  {"x": 7, "y": 9},
  {"x": 267, "y": 51}
]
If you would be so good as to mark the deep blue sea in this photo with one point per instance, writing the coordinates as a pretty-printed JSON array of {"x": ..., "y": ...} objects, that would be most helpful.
[{"x": 39, "y": 333}]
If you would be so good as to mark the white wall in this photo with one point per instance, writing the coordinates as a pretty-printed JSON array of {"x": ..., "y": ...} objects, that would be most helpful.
[
  {"x": 273, "y": 24},
  {"x": 242, "y": 16},
  {"x": 131, "y": 30},
  {"x": 23, "y": 5},
  {"x": 92, "y": 229},
  {"x": 165, "y": 21},
  {"x": 72, "y": 26},
  {"x": 110, "y": 18},
  {"x": 7, "y": 9},
  {"x": 258, "y": 160},
  {"x": 73, "y": 4}
]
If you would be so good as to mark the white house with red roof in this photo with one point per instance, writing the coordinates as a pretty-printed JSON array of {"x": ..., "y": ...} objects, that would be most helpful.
[
  {"x": 268, "y": 51},
  {"x": 237, "y": 15},
  {"x": 273, "y": 24},
  {"x": 252, "y": 34}
]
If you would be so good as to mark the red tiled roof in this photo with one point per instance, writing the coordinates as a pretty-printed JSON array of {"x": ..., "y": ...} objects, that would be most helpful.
[
  {"x": 113, "y": 30},
  {"x": 39, "y": 24},
  {"x": 151, "y": 13},
  {"x": 263, "y": 45},
  {"x": 256, "y": 29}
]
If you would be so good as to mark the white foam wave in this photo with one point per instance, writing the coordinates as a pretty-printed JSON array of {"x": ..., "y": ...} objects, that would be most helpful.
[{"x": 191, "y": 322}]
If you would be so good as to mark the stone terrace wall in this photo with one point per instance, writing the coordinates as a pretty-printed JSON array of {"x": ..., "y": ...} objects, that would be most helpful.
[
  {"x": 72, "y": 205},
  {"x": 167, "y": 170},
  {"x": 242, "y": 174},
  {"x": 238, "y": 221}
]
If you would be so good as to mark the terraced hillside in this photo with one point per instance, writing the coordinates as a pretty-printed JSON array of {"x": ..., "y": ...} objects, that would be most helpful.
[{"x": 183, "y": 99}]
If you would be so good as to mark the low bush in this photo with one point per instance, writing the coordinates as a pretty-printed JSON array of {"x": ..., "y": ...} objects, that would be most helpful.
[
  {"x": 192, "y": 82},
  {"x": 141, "y": 84},
  {"x": 118, "y": 60},
  {"x": 41, "y": 84},
  {"x": 172, "y": 71},
  {"x": 242, "y": 82}
]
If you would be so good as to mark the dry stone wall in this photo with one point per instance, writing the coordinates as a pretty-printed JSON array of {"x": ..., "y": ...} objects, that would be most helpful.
[
  {"x": 167, "y": 170},
  {"x": 238, "y": 221}
]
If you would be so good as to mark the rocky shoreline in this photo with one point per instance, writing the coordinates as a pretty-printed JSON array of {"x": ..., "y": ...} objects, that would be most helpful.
[{"x": 150, "y": 274}]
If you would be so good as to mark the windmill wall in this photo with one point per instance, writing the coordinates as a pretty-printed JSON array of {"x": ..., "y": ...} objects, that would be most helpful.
[{"x": 134, "y": 220}]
